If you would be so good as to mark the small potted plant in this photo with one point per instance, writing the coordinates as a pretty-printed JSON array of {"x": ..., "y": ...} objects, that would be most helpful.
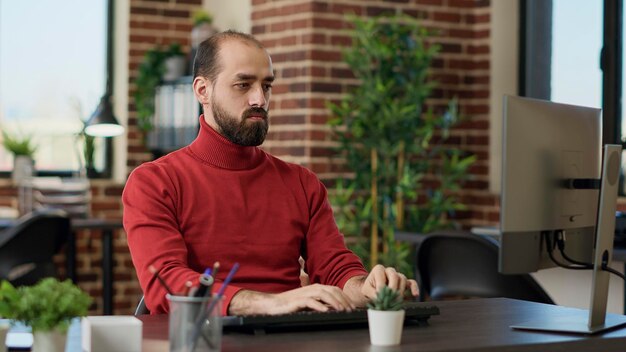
[
  {"x": 152, "y": 71},
  {"x": 175, "y": 63},
  {"x": 48, "y": 308},
  {"x": 202, "y": 28},
  {"x": 385, "y": 318},
  {"x": 23, "y": 150},
  {"x": 8, "y": 294}
]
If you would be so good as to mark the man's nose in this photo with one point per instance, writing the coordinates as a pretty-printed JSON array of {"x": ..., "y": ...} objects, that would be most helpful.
[{"x": 257, "y": 97}]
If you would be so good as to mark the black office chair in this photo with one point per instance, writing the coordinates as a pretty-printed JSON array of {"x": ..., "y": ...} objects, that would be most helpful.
[
  {"x": 464, "y": 265},
  {"x": 141, "y": 308},
  {"x": 27, "y": 248}
]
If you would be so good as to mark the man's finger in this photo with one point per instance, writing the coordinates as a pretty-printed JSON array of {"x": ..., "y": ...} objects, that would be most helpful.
[
  {"x": 402, "y": 283},
  {"x": 393, "y": 280},
  {"x": 378, "y": 275},
  {"x": 413, "y": 285}
]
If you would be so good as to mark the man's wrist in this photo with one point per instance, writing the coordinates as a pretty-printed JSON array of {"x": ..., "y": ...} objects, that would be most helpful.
[
  {"x": 352, "y": 289},
  {"x": 246, "y": 302}
]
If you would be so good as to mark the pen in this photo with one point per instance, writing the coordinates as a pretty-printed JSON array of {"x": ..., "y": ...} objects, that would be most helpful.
[
  {"x": 155, "y": 273},
  {"x": 206, "y": 281},
  {"x": 206, "y": 314}
]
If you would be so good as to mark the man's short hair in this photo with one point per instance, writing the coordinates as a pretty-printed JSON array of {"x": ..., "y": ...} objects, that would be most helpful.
[{"x": 206, "y": 63}]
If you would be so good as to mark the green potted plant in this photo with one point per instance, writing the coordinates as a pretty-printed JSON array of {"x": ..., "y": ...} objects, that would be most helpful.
[
  {"x": 202, "y": 28},
  {"x": 48, "y": 308},
  {"x": 8, "y": 294},
  {"x": 385, "y": 318},
  {"x": 175, "y": 63},
  {"x": 152, "y": 71},
  {"x": 23, "y": 150},
  {"x": 392, "y": 143}
]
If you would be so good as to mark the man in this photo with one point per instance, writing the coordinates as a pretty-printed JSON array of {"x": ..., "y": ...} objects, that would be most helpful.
[{"x": 223, "y": 199}]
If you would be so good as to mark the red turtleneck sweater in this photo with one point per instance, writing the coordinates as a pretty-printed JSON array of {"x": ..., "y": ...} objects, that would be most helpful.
[{"x": 215, "y": 201}]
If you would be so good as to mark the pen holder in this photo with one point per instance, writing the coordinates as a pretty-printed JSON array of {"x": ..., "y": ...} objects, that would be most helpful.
[{"x": 195, "y": 323}]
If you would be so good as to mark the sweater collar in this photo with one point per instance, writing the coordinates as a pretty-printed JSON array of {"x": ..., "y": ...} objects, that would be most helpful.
[{"x": 213, "y": 148}]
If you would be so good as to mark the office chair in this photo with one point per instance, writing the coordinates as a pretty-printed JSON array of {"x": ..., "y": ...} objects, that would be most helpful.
[
  {"x": 141, "y": 308},
  {"x": 465, "y": 265},
  {"x": 27, "y": 248}
]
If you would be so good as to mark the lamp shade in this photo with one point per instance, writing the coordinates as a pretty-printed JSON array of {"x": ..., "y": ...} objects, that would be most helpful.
[{"x": 102, "y": 122}]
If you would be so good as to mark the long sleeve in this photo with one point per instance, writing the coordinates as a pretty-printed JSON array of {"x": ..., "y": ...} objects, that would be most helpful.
[
  {"x": 151, "y": 222},
  {"x": 328, "y": 260}
]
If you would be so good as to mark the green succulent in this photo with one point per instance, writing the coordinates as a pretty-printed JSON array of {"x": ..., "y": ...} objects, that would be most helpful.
[{"x": 386, "y": 299}]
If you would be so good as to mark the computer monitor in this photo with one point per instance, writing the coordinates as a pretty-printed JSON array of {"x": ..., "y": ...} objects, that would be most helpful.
[
  {"x": 558, "y": 199},
  {"x": 543, "y": 143}
]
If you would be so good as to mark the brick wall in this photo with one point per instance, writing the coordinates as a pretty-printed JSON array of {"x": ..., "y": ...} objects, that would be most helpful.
[{"x": 305, "y": 39}]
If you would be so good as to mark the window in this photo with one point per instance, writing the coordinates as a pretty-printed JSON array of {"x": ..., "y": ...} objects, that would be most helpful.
[
  {"x": 571, "y": 52},
  {"x": 561, "y": 51},
  {"x": 52, "y": 76}
]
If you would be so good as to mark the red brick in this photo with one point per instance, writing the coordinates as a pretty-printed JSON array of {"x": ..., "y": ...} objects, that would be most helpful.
[
  {"x": 176, "y": 13},
  {"x": 288, "y": 119},
  {"x": 143, "y": 10},
  {"x": 328, "y": 23},
  {"x": 430, "y": 2},
  {"x": 478, "y": 49},
  {"x": 345, "y": 9},
  {"x": 482, "y": 18},
  {"x": 452, "y": 17},
  {"x": 325, "y": 55}
]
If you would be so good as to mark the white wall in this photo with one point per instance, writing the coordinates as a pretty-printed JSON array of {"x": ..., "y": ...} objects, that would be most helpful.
[
  {"x": 503, "y": 73},
  {"x": 232, "y": 14},
  {"x": 120, "y": 86}
]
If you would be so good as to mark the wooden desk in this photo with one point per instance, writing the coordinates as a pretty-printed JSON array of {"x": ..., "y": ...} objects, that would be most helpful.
[
  {"x": 470, "y": 325},
  {"x": 107, "y": 227}
]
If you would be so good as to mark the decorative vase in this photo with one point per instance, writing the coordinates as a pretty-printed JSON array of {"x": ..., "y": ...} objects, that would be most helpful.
[
  {"x": 385, "y": 327},
  {"x": 23, "y": 168},
  {"x": 49, "y": 341}
]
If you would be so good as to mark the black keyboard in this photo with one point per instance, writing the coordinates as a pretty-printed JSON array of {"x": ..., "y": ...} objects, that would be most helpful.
[{"x": 415, "y": 314}]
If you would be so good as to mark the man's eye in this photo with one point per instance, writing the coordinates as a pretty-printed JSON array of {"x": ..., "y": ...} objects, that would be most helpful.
[
  {"x": 267, "y": 87},
  {"x": 242, "y": 85}
]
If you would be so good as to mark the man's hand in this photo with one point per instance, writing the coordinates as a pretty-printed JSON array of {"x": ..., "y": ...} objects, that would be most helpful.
[
  {"x": 316, "y": 297},
  {"x": 361, "y": 290}
]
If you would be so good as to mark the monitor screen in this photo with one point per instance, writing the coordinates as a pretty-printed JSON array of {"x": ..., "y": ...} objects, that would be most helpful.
[{"x": 545, "y": 144}]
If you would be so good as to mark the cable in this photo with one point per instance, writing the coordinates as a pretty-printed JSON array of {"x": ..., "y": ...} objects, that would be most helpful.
[
  {"x": 561, "y": 244},
  {"x": 550, "y": 248},
  {"x": 613, "y": 271},
  {"x": 578, "y": 265}
]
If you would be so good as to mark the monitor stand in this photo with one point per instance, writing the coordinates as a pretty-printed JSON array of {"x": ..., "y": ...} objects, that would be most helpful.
[{"x": 595, "y": 319}]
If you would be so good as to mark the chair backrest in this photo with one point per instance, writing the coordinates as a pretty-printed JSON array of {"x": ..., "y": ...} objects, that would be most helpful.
[
  {"x": 141, "y": 308},
  {"x": 464, "y": 265},
  {"x": 27, "y": 248}
]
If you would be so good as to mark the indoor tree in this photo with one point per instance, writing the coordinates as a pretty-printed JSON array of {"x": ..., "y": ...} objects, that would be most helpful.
[{"x": 391, "y": 141}]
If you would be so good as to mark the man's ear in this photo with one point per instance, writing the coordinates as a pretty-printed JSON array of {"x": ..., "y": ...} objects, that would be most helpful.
[{"x": 202, "y": 89}]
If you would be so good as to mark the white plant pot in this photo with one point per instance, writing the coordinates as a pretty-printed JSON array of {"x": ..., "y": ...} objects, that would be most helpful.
[
  {"x": 201, "y": 32},
  {"x": 4, "y": 330},
  {"x": 385, "y": 327},
  {"x": 23, "y": 168},
  {"x": 49, "y": 341},
  {"x": 174, "y": 68}
]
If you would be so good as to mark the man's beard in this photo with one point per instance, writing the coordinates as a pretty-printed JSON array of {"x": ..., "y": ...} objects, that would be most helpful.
[{"x": 246, "y": 133}]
